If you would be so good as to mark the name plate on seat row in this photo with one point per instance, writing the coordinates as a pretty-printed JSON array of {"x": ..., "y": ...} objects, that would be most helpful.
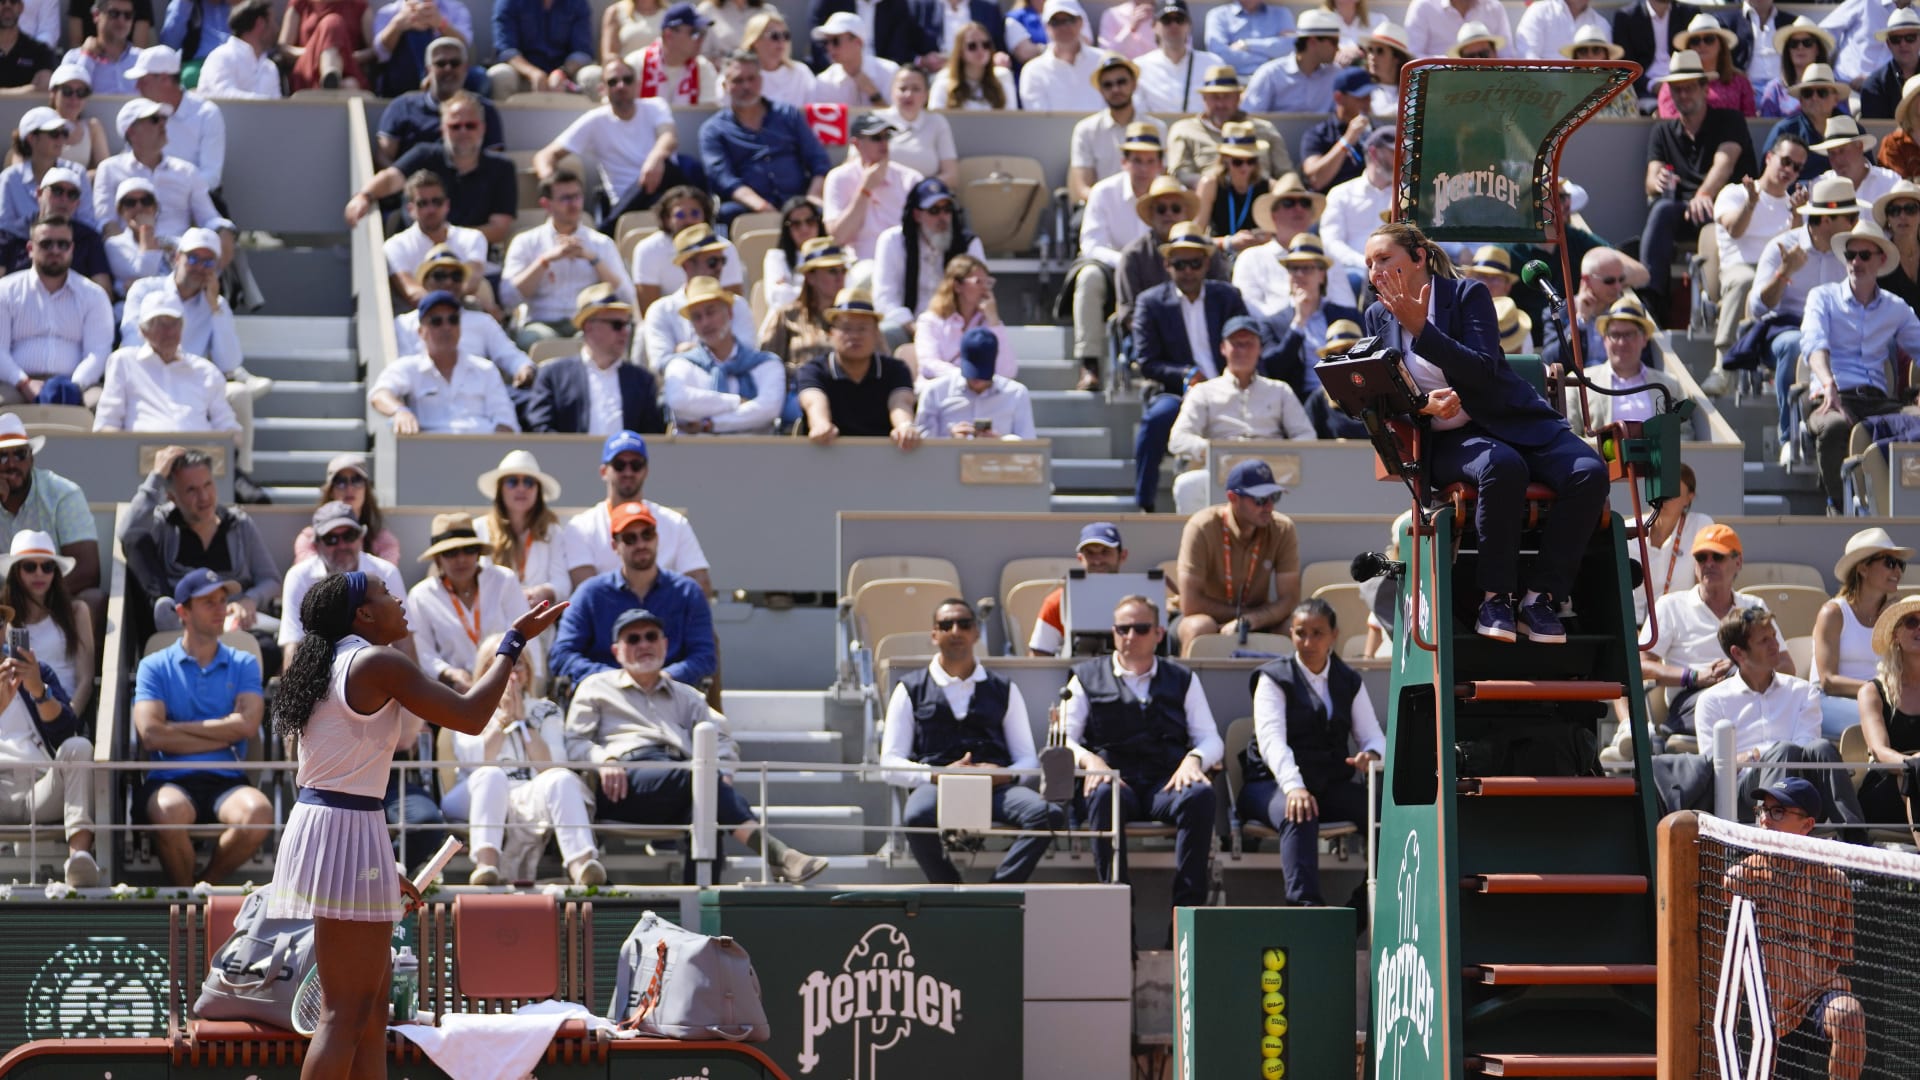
[
  {"x": 1910, "y": 471},
  {"x": 1286, "y": 467},
  {"x": 1003, "y": 467},
  {"x": 218, "y": 451}
]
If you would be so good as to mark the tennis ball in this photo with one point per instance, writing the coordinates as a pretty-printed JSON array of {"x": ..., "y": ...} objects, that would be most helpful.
[
  {"x": 1271, "y": 1046},
  {"x": 1269, "y": 981},
  {"x": 1275, "y": 1002},
  {"x": 1272, "y": 1069},
  {"x": 1274, "y": 959},
  {"x": 1607, "y": 448},
  {"x": 1276, "y": 1024}
]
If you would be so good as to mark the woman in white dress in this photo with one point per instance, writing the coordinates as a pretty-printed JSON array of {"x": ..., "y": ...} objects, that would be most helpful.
[
  {"x": 86, "y": 135},
  {"x": 523, "y": 534},
  {"x": 461, "y": 601},
  {"x": 782, "y": 78},
  {"x": 59, "y": 628},
  {"x": 970, "y": 81}
]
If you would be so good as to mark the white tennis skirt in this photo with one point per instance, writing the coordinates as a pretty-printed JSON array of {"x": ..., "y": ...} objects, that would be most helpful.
[{"x": 335, "y": 863}]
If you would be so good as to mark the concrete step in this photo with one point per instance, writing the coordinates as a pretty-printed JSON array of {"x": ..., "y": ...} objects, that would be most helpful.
[
  {"x": 801, "y": 746},
  {"x": 1077, "y": 442},
  {"x": 816, "y": 789},
  {"x": 309, "y": 433},
  {"x": 1077, "y": 408},
  {"x": 1039, "y": 344},
  {"x": 1092, "y": 474},
  {"x": 307, "y": 397},
  {"x": 292, "y": 494},
  {"x": 292, "y": 335},
  {"x": 299, "y": 467},
  {"x": 797, "y": 826},
  {"x": 1054, "y": 373},
  {"x": 1767, "y": 477},
  {"x": 1764, "y": 505},
  {"x": 325, "y": 365},
  {"x": 1092, "y": 504},
  {"x": 776, "y": 710}
]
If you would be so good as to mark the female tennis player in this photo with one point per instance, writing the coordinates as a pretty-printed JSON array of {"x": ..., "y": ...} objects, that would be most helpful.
[{"x": 342, "y": 695}]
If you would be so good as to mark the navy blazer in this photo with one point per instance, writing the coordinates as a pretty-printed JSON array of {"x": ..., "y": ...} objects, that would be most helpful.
[
  {"x": 1735, "y": 19},
  {"x": 1462, "y": 339},
  {"x": 561, "y": 400},
  {"x": 1633, "y": 31},
  {"x": 899, "y": 31},
  {"x": 1160, "y": 334}
]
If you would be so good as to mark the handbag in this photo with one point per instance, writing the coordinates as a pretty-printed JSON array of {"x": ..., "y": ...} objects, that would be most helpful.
[
  {"x": 256, "y": 973},
  {"x": 674, "y": 983}
]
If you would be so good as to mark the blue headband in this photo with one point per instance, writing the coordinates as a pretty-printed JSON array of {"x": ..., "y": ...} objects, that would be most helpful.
[{"x": 356, "y": 589}]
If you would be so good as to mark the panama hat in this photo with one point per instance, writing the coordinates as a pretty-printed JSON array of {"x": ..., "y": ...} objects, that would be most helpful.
[
  {"x": 1685, "y": 67},
  {"x": 441, "y": 257},
  {"x": 1867, "y": 230},
  {"x": 693, "y": 240},
  {"x": 1802, "y": 25},
  {"x": 519, "y": 463},
  {"x": 451, "y": 532},
  {"x": 1187, "y": 236},
  {"x": 1472, "y": 31},
  {"x": 1904, "y": 18},
  {"x": 1113, "y": 60},
  {"x": 1905, "y": 190},
  {"x": 1893, "y": 616},
  {"x": 1592, "y": 35},
  {"x": 1830, "y": 195},
  {"x": 1220, "y": 79},
  {"x": 1704, "y": 23},
  {"x": 1237, "y": 140},
  {"x": 1317, "y": 23},
  {"x": 1165, "y": 186},
  {"x": 1144, "y": 136},
  {"x": 1627, "y": 309},
  {"x": 32, "y": 544},
  {"x": 1306, "y": 250},
  {"x": 1909, "y": 93},
  {"x": 1841, "y": 130},
  {"x": 857, "y": 302},
  {"x": 1491, "y": 260},
  {"x": 1287, "y": 186},
  {"x": 1516, "y": 327},
  {"x": 1819, "y": 75},
  {"x": 1390, "y": 34},
  {"x": 821, "y": 253},
  {"x": 1342, "y": 335},
  {"x": 1864, "y": 545},
  {"x": 704, "y": 290},
  {"x": 598, "y": 299}
]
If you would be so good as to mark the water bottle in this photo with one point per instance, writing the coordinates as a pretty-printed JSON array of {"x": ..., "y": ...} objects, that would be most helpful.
[{"x": 406, "y": 985}]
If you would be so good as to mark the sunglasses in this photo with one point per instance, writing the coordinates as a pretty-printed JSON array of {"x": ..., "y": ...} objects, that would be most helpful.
[
  {"x": 639, "y": 636},
  {"x": 837, "y": 40},
  {"x": 1134, "y": 629},
  {"x": 135, "y": 200},
  {"x": 54, "y": 245},
  {"x": 202, "y": 262},
  {"x": 1115, "y": 84},
  {"x": 954, "y": 624},
  {"x": 628, "y": 539},
  {"x": 1861, "y": 255},
  {"x": 618, "y": 326},
  {"x": 1262, "y": 502},
  {"x": 1293, "y": 202},
  {"x": 519, "y": 482},
  {"x": 1703, "y": 39},
  {"x": 1774, "y": 812},
  {"x": 350, "y": 480},
  {"x": 1172, "y": 17},
  {"x": 63, "y": 191},
  {"x": 80, "y": 92},
  {"x": 1801, "y": 43},
  {"x": 1817, "y": 92},
  {"x": 430, "y": 203},
  {"x": 344, "y": 536},
  {"x": 1902, "y": 39},
  {"x": 1169, "y": 209},
  {"x": 48, "y": 567},
  {"x": 1709, "y": 556},
  {"x": 444, "y": 65},
  {"x": 979, "y": 46},
  {"x": 462, "y": 125},
  {"x": 1892, "y": 562},
  {"x": 1791, "y": 165},
  {"x": 20, "y": 454},
  {"x": 1610, "y": 281},
  {"x": 1241, "y": 163},
  {"x": 939, "y": 210},
  {"x": 808, "y": 220},
  {"x": 1187, "y": 264},
  {"x": 1379, "y": 50},
  {"x": 622, "y": 80},
  {"x": 777, "y": 35},
  {"x": 626, "y": 464},
  {"x": 1910, "y": 623},
  {"x": 1903, "y": 209},
  {"x": 56, "y": 133}
]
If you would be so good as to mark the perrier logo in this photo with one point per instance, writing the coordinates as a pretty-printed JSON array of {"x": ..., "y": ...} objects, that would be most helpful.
[{"x": 879, "y": 994}]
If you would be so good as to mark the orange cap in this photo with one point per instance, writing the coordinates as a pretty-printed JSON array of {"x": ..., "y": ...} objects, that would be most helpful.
[
  {"x": 1718, "y": 538},
  {"x": 627, "y": 514}
]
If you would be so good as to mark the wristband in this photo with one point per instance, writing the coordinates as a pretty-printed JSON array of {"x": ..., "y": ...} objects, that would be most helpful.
[
  {"x": 1686, "y": 679},
  {"x": 511, "y": 643}
]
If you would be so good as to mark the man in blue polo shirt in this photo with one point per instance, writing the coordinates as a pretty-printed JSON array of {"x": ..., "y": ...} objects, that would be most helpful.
[
  {"x": 758, "y": 153},
  {"x": 584, "y": 643},
  {"x": 199, "y": 700}
]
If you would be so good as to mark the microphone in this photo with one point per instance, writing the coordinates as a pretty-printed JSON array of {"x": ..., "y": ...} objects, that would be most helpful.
[
  {"x": 1056, "y": 762},
  {"x": 1371, "y": 564},
  {"x": 1536, "y": 274}
]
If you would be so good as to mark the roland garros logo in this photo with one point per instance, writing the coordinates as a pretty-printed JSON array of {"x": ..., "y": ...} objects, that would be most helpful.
[
  {"x": 1405, "y": 983},
  {"x": 878, "y": 993}
]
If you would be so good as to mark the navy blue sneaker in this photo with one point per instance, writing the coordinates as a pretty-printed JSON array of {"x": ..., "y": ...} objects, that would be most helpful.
[
  {"x": 1540, "y": 621},
  {"x": 1496, "y": 619}
]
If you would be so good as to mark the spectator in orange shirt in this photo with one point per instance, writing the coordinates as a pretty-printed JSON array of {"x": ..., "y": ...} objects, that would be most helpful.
[{"x": 1101, "y": 552}]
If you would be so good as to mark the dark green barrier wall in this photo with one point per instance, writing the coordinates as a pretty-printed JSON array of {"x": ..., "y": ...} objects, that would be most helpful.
[{"x": 1263, "y": 992}]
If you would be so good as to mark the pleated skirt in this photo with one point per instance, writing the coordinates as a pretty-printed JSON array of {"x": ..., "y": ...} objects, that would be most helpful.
[{"x": 335, "y": 864}]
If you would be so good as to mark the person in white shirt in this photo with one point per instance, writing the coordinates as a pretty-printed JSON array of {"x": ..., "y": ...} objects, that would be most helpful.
[
  {"x": 547, "y": 266},
  {"x": 1846, "y": 147},
  {"x": 109, "y": 51},
  {"x": 1302, "y": 80},
  {"x": 338, "y": 538},
  {"x": 598, "y": 391},
  {"x": 1354, "y": 208},
  {"x": 45, "y": 754},
  {"x": 866, "y": 194},
  {"x": 1626, "y": 329},
  {"x": 957, "y": 718},
  {"x": 137, "y": 250},
  {"x": 1433, "y": 25},
  {"x": 973, "y": 402},
  {"x": 782, "y": 78},
  {"x": 973, "y": 80},
  {"x": 461, "y": 601},
  {"x": 1119, "y": 212},
  {"x": 1096, "y": 150},
  {"x": 1549, "y": 26},
  {"x": 857, "y": 77},
  {"x": 656, "y": 265},
  {"x": 1286, "y": 210},
  {"x": 1387, "y": 52},
  {"x": 240, "y": 66},
  {"x": 1064, "y": 78},
  {"x": 1170, "y": 76},
  {"x": 426, "y": 203},
  {"x": 699, "y": 254},
  {"x": 480, "y": 333},
  {"x": 1239, "y": 403},
  {"x": 1687, "y": 658},
  {"x": 671, "y": 67},
  {"x": 196, "y": 129},
  {"x": 1775, "y": 717},
  {"x": 182, "y": 191},
  {"x": 623, "y": 467},
  {"x": 56, "y": 327},
  {"x": 721, "y": 385},
  {"x": 631, "y": 139},
  {"x": 157, "y": 387},
  {"x": 522, "y": 532},
  {"x": 1745, "y": 216},
  {"x": 902, "y": 288},
  {"x": 922, "y": 139},
  {"x": 443, "y": 390}
]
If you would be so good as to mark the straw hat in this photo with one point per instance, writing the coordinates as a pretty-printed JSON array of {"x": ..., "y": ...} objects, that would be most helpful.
[
  {"x": 1288, "y": 186},
  {"x": 451, "y": 532},
  {"x": 1830, "y": 195},
  {"x": 1817, "y": 75},
  {"x": 1342, "y": 335},
  {"x": 1306, "y": 250},
  {"x": 1685, "y": 67},
  {"x": 1144, "y": 136},
  {"x": 1905, "y": 190},
  {"x": 1472, "y": 31},
  {"x": 1187, "y": 236},
  {"x": 1801, "y": 25},
  {"x": 1238, "y": 140},
  {"x": 1516, "y": 328},
  {"x": 1592, "y": 35},
  {"x": 519, "y": 463},
  {"x": 34, "y": 544},
  {"x": 1220, "y": 79},
  {"x": 1627, "y": 309},
  {"x": 1704, "y": 23},
  {"x": 1893, "y": 616},
  {"x": 1390, "y": 34},
  {"x": 693, "y": 240},
  {"x": 442, "y": 257},
  {"x": 1867, "y": 230},
  {"x": 1904, "y": 18},
  {"x": 821, "y": 253},
  {"x": 1841, "y": 130},
  {"x": 1491, "y": 260},
  {"x": 1903, "y": 112},
  {"x": 1864, "y": 545},
  {"x": 855, "y": 302},
  {"x": 1167, "y": 186},
  {"x": 704, "y": 290},
  {"x": 1113, "y": 60},
  {"x": 596, "y": 300}
]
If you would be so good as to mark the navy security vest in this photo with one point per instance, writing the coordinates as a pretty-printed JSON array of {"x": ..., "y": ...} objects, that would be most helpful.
[
  {"x": 940, "y": 738},
  {"x": 1319, "y": 740},
  {"x": 1144, "y": 739}
]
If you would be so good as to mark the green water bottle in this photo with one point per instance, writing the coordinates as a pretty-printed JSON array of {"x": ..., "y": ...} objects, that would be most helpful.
[{"x": 406, "y": 985}]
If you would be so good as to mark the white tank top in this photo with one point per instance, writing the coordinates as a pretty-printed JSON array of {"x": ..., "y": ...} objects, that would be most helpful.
[
  {"x": 344, "y": 750},
  {"x": 49, "y": 644},
  {"x": 1857, "y": 659}
]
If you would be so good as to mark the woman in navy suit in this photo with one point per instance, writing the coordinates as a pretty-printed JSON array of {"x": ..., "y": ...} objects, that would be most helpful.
[{"x": 1489, "y": 428}]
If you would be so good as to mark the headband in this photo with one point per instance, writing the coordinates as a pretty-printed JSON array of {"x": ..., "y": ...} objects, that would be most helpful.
[{"x": 356, "y": 589}]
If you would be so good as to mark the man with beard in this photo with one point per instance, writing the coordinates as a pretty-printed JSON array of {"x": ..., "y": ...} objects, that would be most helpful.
[
  {"x": 56, "y": 327},
  {"x": 933, "y": 230},
  {"x": 583, "y": 644},
  {"x": 623, "y": 466},
  {"x": 41, "y": 500}
]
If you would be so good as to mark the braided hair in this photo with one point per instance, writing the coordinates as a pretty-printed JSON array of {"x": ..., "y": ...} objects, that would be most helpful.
[{"x": 327, "y": 613}]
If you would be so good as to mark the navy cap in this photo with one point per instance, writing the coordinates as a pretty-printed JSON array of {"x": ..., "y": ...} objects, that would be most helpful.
[
  {"x": 1238, "y": 323},
  {"x": 979, "y": 353},
  {"x": 622, "y": 442},
  {"x": 1169, "y": 7},
  {"x": 1253, "y": 478},
  {"x": 1794, "y": 791},
  {"x": 199, "y": 583},
  {"x": 1103, "y": 533},
  {"x": 930, "y": 193},
  {"x": 872, "y": 126},
  {"x": 435, "y": 299},
  {"x": 635, "y": 615},
  {"x": 681, "y": 15},
  {"x": 1353, "y": 81}
]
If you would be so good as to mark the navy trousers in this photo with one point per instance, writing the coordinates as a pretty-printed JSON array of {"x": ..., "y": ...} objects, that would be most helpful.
[
  {"x": 1263, "y": 801},
  {"x": 1190, "y": 812},
  {"x": 665, "y": 797},
  {"x": 1013, "y": 805},
  {"x": 1150, "y": 446},
  {"x": 414, "y": 845},
  {"x": 1501, "y": 472}
]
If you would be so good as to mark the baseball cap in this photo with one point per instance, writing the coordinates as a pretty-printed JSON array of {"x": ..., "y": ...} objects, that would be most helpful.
[
  {"x": 1100, "y": 534},
  {"x": 1238, "y": 323},
  {"x": 979, "y": 353},
  {"x": 39, "y": 118},
  {"x": 198, "y": 583},
  {"x": 135, "y": 111},
  {"x": 161, "y": 303},
  {"x": 200, "y": 240},
  {"x": 1794, "y": 791},
  {"x": 155, "y": 60},
  {"x": 622, "y": 442},
  {"x": 340, "y": 463},
  {"x": 841, "y": 24},
  {"x": 930, "y": 193},
  {"x": 874, "y": 126},
  {"x": 1720, "y": 538},
  {"x": 635, "y": 615},
  {"x": 60, "y": 174},
  {"x": 1353, "y": 82},
  {"x": 1169, "y": 7},
  {"x": 1381, "y": 138},
  {"x": 681, "y": 15},
  {"x": 329, "y": 516},
  {"x": 71, "y": 73},
  {"x": 434, "y": 299},
  {"x": 132, "y": 185},
  {"x": 626, "y": 514},
  {"x": 1254, "y": 479},
  {"x": 1056, "y": 7}
]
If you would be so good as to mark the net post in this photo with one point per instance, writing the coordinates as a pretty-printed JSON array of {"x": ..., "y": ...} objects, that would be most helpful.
[
  {"x": 1726, "y": 773},
  {"x": 1677, "y": 1029}
]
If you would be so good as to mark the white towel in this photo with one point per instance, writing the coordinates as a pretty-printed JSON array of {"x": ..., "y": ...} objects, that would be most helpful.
[{"x": 493, "y": 1046}]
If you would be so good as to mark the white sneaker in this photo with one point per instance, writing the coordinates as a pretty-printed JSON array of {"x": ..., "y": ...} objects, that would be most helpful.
[
  {"x": 484, "y": 874},
  {"x": 797, "y": 866},
  {"x": 590, "y": 873},
  {"x": 1786, "y": 454},
  {"x": 81, "y": 871}
]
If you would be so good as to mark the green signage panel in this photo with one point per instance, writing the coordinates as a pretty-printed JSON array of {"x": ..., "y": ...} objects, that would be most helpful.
[{"x": 1263, "y": 992}]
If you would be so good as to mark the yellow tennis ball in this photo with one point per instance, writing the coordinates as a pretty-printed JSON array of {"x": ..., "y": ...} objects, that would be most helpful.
[
  {"x": 1274, "y": 959},
  {"x": 1271, "y": 1046},
  {"x": 1269, "y": 981},
  {"x": 1276, "y": 1024},
  {"x": 1272, "y": 1069},
  {"x": 1275, "y": 1002}
]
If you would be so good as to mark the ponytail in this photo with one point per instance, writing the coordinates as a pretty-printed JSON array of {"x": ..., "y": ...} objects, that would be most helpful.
[
  {"x": 327, "y": 613},
  {"x": 1411, "y": 239}
]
